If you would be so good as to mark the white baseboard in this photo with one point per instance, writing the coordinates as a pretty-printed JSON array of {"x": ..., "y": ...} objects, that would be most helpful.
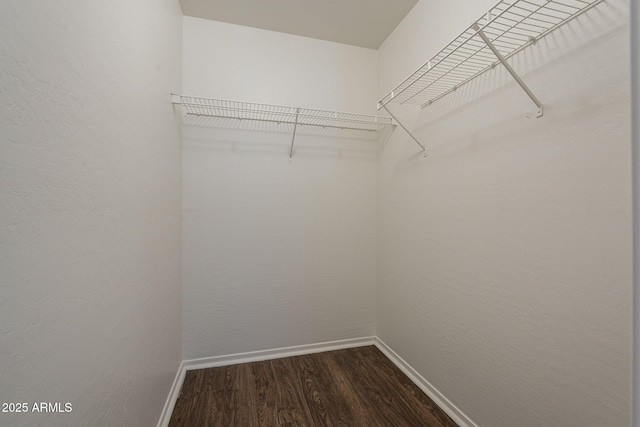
[
  {"x": 276, "y": 353},
  {"x": 174, "y": 393},
  {"x": 257, "y": 356},
  {"x": 445, "y": 404}
]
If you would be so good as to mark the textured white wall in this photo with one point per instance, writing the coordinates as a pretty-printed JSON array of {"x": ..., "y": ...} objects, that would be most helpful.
[
  {"x": 505, "y": 256},
  {"x": 90, "y": 211},
  {"x": 276, "y": 254},
  {"x": 248, "y": 64}
]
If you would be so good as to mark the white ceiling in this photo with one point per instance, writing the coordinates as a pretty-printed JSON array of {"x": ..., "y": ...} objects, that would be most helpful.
[{"x": 365, "y": 23}]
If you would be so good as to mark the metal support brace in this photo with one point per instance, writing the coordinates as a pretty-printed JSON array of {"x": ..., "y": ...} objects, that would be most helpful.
[
  {"x": 510, "y": 69},
  {"x": 293, "y": 138},
  {"x": 405, "y": 129}
]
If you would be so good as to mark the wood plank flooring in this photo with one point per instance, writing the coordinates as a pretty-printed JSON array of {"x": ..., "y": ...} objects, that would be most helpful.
[{"x": 353, "y": 387}]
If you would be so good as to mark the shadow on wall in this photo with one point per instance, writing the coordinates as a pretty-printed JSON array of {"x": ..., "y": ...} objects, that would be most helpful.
[{"x": 270, "y": 138}]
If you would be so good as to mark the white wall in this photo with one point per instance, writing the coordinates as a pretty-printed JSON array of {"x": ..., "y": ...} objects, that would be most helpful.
[
  {"x": 275, "y": 253},
  {"x": 248, "y": 64},
  {"x": 505, "y": 256},
  {"x": 90, "y": 211}
]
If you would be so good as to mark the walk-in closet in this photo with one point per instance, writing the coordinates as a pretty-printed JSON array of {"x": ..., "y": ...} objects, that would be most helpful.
[{"x": 311, "y": 213}]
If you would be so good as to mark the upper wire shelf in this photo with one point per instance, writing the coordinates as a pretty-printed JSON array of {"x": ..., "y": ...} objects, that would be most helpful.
[
  {"x": 509, "y": 26},
  {"x": 295, "y": 116},
  {"x": 280, "y": 114}
]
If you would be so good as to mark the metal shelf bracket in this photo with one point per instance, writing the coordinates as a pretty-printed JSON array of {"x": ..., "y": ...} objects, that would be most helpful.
[
  {"x": 293, "y": 138},
  {"x": 510, "y": 69},
  {"x": 405, "y": 129}
]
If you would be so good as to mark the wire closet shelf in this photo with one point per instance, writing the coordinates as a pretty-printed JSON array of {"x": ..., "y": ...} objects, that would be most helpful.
[
  {"x": 506, "y": 29},
  {"x": 280, "y": 114}
]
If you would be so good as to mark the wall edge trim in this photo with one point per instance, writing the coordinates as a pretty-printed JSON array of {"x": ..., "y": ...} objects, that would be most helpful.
[
  {"x": 276, "y": 353},
  {"x": 174, "y": 393},
  {"x": 434, "y": 394}
]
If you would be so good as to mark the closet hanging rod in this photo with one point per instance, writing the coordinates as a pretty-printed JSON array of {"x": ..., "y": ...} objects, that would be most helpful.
[{"x": 508, "y": 27}]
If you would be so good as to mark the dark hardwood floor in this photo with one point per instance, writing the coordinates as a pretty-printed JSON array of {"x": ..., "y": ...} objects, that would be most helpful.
[{"x": 353, "y": 387}]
